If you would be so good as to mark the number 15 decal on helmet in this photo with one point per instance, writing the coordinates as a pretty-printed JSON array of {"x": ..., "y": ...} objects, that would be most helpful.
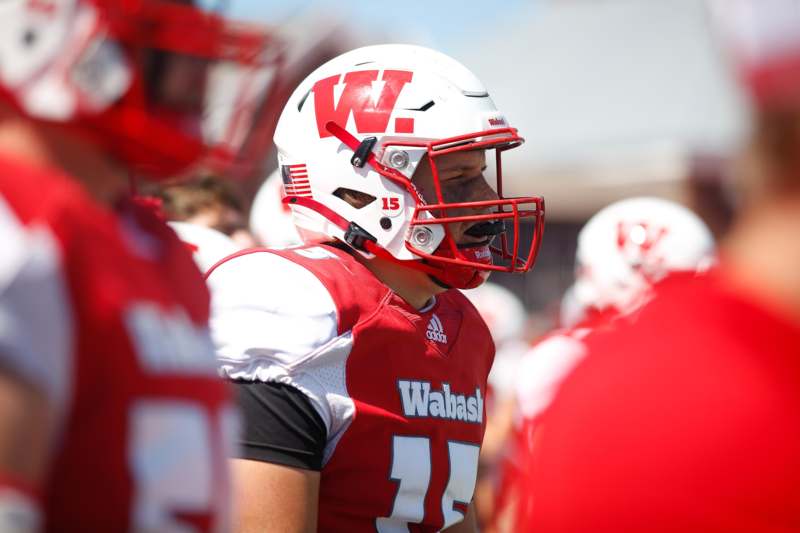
[{"x": 396, "y": 142}]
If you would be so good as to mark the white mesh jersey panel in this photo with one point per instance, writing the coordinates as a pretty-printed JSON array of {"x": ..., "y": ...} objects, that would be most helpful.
[
  {"x": 273, "y": 320},
  {"x": 36, "y": 324}
]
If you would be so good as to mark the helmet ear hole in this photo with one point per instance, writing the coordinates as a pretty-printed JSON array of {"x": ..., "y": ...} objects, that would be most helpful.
[{"x": 357, "y": 199}]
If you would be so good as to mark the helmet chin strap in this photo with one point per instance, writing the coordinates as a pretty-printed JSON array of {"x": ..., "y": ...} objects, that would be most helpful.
[
  {"x": 357, "y": 237},
  {"x": 477, "y": 279},
  {"x": 463, "y": 276}
]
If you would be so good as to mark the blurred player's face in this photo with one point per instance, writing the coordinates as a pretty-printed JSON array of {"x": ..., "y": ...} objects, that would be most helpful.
[
  {"x": 770, "y": 163},
  {"x": 461, "y": 179},
  {"x": 226, "y": 220}
]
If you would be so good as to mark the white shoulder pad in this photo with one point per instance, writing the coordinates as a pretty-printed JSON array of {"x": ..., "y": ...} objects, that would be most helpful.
[
  {"x": 273, "y": 320},
  {"x": 36, "y": 325},
  {"x": 266, "y": 311}
]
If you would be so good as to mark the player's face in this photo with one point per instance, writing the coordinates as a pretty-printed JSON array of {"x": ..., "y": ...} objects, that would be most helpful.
[
  {"x": 462, "y": 180},
  {"x": 226, "y": 220}
]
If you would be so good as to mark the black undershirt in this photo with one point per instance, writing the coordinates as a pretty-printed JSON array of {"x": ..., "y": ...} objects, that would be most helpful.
[{"x": 280, "y": 425}]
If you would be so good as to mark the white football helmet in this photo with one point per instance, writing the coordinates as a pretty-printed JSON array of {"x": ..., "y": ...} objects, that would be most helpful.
[
  {"x": 629, "y": 245},
  {"x": 363, "y": 122}
]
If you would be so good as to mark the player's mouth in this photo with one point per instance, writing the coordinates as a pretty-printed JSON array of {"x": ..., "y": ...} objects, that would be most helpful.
[{"x": 482, "y": 234}]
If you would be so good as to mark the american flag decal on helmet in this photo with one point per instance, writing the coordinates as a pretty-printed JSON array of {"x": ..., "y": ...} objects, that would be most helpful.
[{"x": 295, "y": 180}]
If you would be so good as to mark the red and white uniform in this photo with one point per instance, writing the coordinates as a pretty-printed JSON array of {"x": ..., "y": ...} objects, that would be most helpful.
[
  {"x": 401, "y": 391},
  {"x": 106, "y": 314},
  {"x": 541, "y": 371},
  {"x": 684, "y": 421},
  {"x": 545, "y": 365}
]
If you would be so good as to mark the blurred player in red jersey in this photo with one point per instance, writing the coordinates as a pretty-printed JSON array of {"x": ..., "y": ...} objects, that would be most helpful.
[
  {"x": 361, "y": 369},
  {"x": 687, "y": 420},
  {"x": 111, "y": 415},
  {"x": 623, "y": 251}
]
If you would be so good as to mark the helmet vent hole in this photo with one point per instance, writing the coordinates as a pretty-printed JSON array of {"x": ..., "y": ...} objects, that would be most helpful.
[
  {"x": 423, "y": 107},
  {"x": 29, "y": 37},
  {"x": 386, "y": 223},
  {"x": 356, "y": 199},
  {"x": 303, "y": 101}
]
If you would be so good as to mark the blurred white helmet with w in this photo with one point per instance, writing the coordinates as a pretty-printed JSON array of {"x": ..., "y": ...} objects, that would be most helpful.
[{"x": 627, "y": 247}]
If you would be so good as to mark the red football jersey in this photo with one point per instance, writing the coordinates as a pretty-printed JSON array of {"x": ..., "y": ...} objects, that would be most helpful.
[
  {"x": 685, "y": 420},
  {"x": 401, "y": 391},
  {"x": 107, "y": 314},
  {"x": 539, "y": 374}
]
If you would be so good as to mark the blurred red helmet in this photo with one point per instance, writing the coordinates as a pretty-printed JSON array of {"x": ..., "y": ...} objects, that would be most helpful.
[{"x": 140, "y": 78}]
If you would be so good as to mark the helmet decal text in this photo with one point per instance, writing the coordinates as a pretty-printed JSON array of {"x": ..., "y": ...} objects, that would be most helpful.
[
  {"x": 391, "y": 203},
  {"x": 369, "y": 115}
]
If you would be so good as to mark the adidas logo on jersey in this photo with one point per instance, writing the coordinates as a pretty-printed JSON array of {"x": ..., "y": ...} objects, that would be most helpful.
[
  {"x": 436, "y": 331},
  {"x": 420, "y": 401}
]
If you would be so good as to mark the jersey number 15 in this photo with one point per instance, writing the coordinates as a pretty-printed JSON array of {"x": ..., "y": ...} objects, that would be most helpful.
[{"x": 411, "y": 470}]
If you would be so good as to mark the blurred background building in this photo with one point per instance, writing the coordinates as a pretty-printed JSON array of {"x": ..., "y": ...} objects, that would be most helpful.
[{"x": 616, "y": 98}]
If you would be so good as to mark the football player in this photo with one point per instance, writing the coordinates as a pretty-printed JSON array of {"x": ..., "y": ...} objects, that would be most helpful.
[
  {"x": 111, "y": 414},
  {"x": 361, "y": 369},
  {"x": 208, "y": 202},
  {"x": 687, "y": 419},
  {"x": 623, "y": 251}
]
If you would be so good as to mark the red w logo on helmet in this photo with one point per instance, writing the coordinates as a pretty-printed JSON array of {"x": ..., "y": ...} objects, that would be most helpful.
[
  {"x": 636, "y": 242},
  {"x": 357, "y": 97}
]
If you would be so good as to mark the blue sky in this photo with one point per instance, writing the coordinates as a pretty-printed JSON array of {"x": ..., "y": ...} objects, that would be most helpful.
[{"x": 444, "y": 24}]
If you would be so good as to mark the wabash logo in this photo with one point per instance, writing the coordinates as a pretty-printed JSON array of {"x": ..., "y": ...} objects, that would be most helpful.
[{"x": 370, "y": 111}]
